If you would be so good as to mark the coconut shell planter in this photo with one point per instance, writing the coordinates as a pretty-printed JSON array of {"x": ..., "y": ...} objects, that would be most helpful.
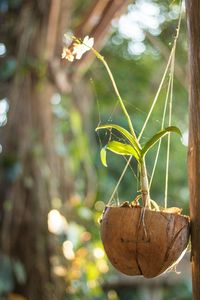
[{"x": 141, "y": 241}]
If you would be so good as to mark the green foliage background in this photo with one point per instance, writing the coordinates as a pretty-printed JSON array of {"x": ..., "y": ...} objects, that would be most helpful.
[{"x": 137, "y": 77}]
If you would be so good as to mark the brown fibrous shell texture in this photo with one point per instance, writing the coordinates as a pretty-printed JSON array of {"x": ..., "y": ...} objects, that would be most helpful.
[{"x": 140, "y": 241}]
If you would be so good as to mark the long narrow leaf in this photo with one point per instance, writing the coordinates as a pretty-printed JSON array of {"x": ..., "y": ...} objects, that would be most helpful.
[
  {"x": 158, "y": 136},
  {"x": 122, "y": 149},
  {"x": 125, "y": 133}
]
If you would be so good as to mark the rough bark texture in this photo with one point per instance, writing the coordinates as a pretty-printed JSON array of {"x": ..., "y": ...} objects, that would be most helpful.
[
  {"x": 193, "y": 15},
  {"x": 31, "y": 172},
  {"x": 28, "y": 153},
  {"x": 29, "y": 164}
]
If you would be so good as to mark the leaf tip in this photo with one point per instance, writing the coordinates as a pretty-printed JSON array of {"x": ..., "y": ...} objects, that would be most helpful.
[{"x": 103, "y": 157}]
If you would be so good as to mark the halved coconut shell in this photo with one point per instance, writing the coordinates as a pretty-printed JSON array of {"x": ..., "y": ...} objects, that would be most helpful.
[{"x": 140, "y": 241}]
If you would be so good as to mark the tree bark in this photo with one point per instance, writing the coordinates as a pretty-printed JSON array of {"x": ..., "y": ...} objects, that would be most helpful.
[
  {"x": 31, "y": 172},
  {"x": 193, "y": 17},
  {"x": 29, "y": 163}
]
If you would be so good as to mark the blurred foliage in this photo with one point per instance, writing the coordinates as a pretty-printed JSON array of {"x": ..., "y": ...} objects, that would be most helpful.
[
  {"x": 138, "y": 78},
  {"x": 75, "y": 223}
]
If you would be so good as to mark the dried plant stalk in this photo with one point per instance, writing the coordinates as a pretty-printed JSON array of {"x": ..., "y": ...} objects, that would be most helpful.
[{"x": 140, "y": 241}]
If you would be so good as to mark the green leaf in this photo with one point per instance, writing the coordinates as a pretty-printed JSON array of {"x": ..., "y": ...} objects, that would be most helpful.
[
  {"x": 103, "y": 156},
  {"x": 122, "y": 149},
  {"x": 158, "y": 136},
  {"x": 125, "y": 133}
]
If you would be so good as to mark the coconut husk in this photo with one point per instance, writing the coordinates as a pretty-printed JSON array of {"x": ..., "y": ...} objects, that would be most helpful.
[{"x": 140, "y": 241}]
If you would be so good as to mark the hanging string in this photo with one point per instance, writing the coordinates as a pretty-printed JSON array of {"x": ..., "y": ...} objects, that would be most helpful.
[
  {"x": 146, "y": 121},
  {"x": 119, "y": 181},
  {"x": 169, "y": 98},
  {"x": 110, "y": 201},
  {"x": 170, "y": 65},
  {"x": 169, "y": 136},
  {"x": 172, "y": 53},
  {"x": 131, "y": 169},
  {"x": 170, "y": 111},
  {"x": 140, "y": 135},
  {"x": 157, "y": 95},
  {"x": 162, "y": 126}
]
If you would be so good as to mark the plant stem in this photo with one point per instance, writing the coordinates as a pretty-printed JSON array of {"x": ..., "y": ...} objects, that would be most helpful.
[
  {"x": 101, "y": 58},
  {"x": 143, "y": 171},
  {"x": 144, "y": 183}
]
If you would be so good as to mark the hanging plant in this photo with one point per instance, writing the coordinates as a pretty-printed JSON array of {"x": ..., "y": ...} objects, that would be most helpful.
[{"x": 139, "y": 239}]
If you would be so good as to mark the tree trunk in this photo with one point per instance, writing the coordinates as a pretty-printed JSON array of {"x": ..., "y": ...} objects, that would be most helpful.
[
  {"x": 193, "y": 15},
  {"x": 29, "y": 168}
]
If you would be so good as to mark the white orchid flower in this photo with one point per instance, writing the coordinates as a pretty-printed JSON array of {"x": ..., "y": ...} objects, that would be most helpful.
[
  {"x": 67, "y": 39},
  {"x": 67, "y": 54},
  {"x": 80, "y": 49}
]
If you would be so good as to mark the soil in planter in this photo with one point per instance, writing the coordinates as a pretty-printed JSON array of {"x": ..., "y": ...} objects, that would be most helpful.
[{"x": 140, "y": 241}]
